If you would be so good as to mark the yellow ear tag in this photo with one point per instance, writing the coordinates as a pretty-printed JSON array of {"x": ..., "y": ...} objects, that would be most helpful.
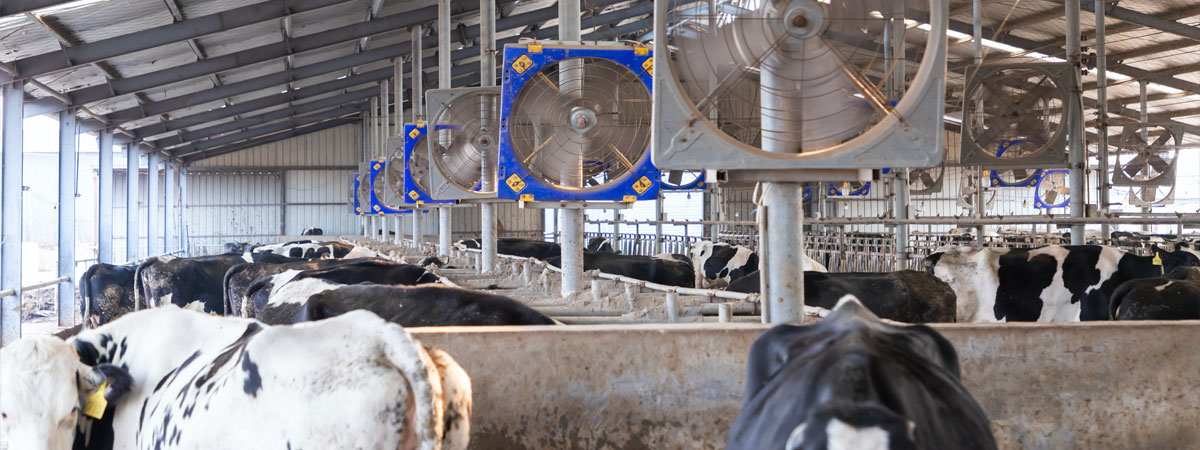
[
  {"x": 94, "y": 405},
  {"x": 1158, "y": 262}
]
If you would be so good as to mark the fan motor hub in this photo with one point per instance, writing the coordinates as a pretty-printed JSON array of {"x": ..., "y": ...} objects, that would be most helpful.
[
  {"x": 484, "y": 141},
  {"x": 582, "y": 119},
  {"x": 803, "y": 19}
]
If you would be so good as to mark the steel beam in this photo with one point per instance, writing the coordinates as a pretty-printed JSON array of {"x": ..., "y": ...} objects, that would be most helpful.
[
  {"x": 104, "y": 202},
  {"x": 297, "y": 131},
  {"x": 153, "y": 228},
  {"x": 132, "y": 233},
  {"x": 168, "y": 205},
  {"x": 266, "y": 129},
  {"x": 14, "y": 7},
  {"x": 183, "y": 210},
  {"x": 11, "y": 212},
  {"x": 67, "y": 176},
  {"x": 245, "y": 122},
  {"x": 90, "y": 52},
  {"x": 1143, "y": 19}
]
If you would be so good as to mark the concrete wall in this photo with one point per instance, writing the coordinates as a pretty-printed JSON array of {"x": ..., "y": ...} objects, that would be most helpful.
[{"x": 1112, "y": 386}]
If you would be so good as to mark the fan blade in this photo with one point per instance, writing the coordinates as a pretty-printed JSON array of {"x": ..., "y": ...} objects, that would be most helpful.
[
  {"x": 1159, "y": 164},
  {"x": 675, "y": 177},
  {"x": 1050, "y": 197},
  {"x": 1020, "y": 174}
]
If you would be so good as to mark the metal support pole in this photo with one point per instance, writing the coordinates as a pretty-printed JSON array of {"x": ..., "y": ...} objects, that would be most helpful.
[
  {"x": 573, "y": 219},
  {"x": 900, "y": 175},
  {"x": 616, "y": 233},
  {"x": 444, "y": 231},
  {"x": 487, "y": 165},
  {"x": 104, "y": 202},
  {"x": 67, "y": 177},
  {"x": 152, "y": 197},
  {"x": 398, "y": 226},
  {"x": 384, "y": 114},
  {"x": 398, "y": 86},
  {"x": 1077, "y": 152},
  {"x": 183, "y": 211},
  {"x": 169, "y": 199},
  {"x": 12, "y": 141},
  {"x": 1102, "y": 117},
  {"x": 672, "y": 307},
  {"x": 1145, "y": 119},
  {"x": 659, "y": 215},
  {"x": 418, "y": 74},
  {"x": 132, "y": 244},
  {"x": 444, "y": 225},
  {"x": 980, "y": 194},
  {"x": 418, "y": 235},
  {"x": 724, "y": 312},
  {"x": 383, "y": 228}
]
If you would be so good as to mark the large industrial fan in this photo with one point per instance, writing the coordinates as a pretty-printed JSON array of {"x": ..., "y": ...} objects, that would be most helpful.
[
  {"x": 416, "y": 165},
  {"x": 772, "y": 88},
  {"x": 466, "y": 129},
  {"x": 1052, "y": 189},
  {"x": 1147, "y": 155},
  {"x": 361, "y": 190},
  {"x": 387, "y": 181},
  {"x": 1018, "y": 176},
  {"x": 968, "y": 190},
  {"x": 575, "y": 123},
  {"x": 926, "y": 181},
  {"x": 682, "y": 180},
  {"x": 1020, "y": 109}
]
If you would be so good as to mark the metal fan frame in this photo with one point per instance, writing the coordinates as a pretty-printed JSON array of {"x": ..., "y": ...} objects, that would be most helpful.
[
  {"x": 1053, "y": 153},
  {"x": 1168, "y": 177},
  {"x": 860, "y": 192},
  {"x": 441, "y": 186},
  {"x": 683, "y": 138},
  {"x": 360, "y": 203},
  {"x": 1136, "y": 200},
  {"x": 1037, "y": 191},
  {"x": 998, "y": 182},
  {"x": 698, "y": 184},
  {"x": 513, "y": 180},
  {"x": 414, "y": 194},
  {"x": 936, "y": 187},
  {"x": 376, "y": 171},
  {"x": 989, "y": 193}
]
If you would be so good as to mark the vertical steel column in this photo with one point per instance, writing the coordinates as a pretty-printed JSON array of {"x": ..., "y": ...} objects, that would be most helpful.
[
  {"x": 1102, "y": 121},
  {"x": 12, "y": 140},
  {"x": 571, "y": 73},
  {"x": 659, "y": 216},
  {"x": 616, "y": 233},
  {"x": 488, "y": 162},
  {"x": 1077, "y": 152},
  {"x": 900, "y": 175},
  {"x": 372, "y": 155},
  {"x": 398, "y": 82},
  {"x": 444, "y": 228},
  {"x": 980, "y": 194},
  {"x": 183, "y": 209},
  {"x": 66, "y": 215},
  {"x": 132, "y": 244},
  {"x": 152, "y": 197},
  {"x": 169, "y": 199},
  {"x": 1144, "y": 119},
  {"x": 104, "y": 202},
  {"x": 418, "y": 111},
  {"x": 384, "y": 112}
]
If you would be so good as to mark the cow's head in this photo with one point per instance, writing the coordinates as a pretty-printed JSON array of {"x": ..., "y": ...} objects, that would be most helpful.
[
  {"x": 1181, "y": 257},
  {"x": 44, "y": 388}
]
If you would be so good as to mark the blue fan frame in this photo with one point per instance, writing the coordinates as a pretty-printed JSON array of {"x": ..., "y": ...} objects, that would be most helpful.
[
  {"x": 541, "y": 55},
  {"x": 355, "y": 185},
  {"x": 412, "y": 134},
  {"x": 860, "y": 192},
  {"x": 1037, "y": 191},
  {"x": 696, "y": 185},
  {"x": 377, "y": 207},
  {"x": 997, "y": 182}
]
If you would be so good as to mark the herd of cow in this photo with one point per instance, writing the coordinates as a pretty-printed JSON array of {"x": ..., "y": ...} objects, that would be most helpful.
[{"x": 302, "y": 345}]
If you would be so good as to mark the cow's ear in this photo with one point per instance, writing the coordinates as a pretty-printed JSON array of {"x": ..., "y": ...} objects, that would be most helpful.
[
  {"x": 1155, "y": 248},
  {"x": 116, "y": 381}
]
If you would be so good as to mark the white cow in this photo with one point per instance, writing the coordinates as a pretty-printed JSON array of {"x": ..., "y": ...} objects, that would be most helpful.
[
  {"x": 176, "y": 379},
  {"x": 716, "y": 265}
]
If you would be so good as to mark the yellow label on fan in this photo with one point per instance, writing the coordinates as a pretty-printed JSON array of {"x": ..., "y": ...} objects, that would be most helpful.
[
  {"x": 527, "y": 197},
  {"x": 642, "y": 184},
  {"x": 412, "y": 194},
  {"x": 648, "y": 64},
  {"x": 376, "y": 208},
  {"x": 419, "y": 202},
  {"x": 641, "y": 51},
  {"x": 357, "y": 209},
  {"x": 522, "y": 64},
  {"x": 629, "y": 198},
  {"x": 376, "y": 166},
  {"x": 515, "y": 183},
  {"x": 534, "y": 48},
  {"x": 414, "y": 133}
]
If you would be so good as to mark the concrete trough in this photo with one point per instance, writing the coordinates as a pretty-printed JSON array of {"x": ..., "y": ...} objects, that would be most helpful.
[{"x": 664, "y": 387}]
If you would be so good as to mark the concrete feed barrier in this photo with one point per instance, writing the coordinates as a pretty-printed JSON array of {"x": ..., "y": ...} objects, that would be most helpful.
[{"x": 664, "y": 387}]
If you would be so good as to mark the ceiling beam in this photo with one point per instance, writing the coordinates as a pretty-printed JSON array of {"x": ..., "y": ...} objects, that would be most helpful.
[
  {"x": 268, "y": 139},
  {"x": 1143, "y": 19},
  {"x": 265, "y": 130},
  {"x": 14, "y": 7},
  {"x": 90, "y": 52}
]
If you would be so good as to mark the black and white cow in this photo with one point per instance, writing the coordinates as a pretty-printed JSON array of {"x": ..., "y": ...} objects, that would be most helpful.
[
  {"x": 176, "y": 379},
  {"x": 524, "y": 248},
  {"x": 304, "y": 283},
  {"x": 904, "y": 296},
  {"x": 107, "y": 293},
  {"x": 317, "y": 250},
  {"x": 1054, "y": 283},
  {"x": 1173, "y": 297},
  {"x": 598, "y": 244},
  {"x": 239, "y": 247},
  {"x": 716, "y": 265},
  {"x": 409, "y": 306},
  {"x": 166, "y": 280},
  {"x": 851, "y": 381},
  {"x": 239, "y": 278},
  {"x": 668, "y": 272},
  {"x": 312, "y": 232}
]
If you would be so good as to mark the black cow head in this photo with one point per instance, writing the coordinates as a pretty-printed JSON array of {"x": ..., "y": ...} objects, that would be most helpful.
[{"x": 1181, "y": 257}]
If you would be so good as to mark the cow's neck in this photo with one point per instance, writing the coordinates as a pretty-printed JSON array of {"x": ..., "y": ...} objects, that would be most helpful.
[{"x": 1142, "y": 267}]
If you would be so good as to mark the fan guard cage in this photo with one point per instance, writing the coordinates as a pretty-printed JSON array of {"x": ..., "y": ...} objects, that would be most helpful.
[
  {"x": 386, "y": 183},
  {"x": 967, "y": 199},
  {"x": 1052, "y": 179},
  {"x": 1020, "y": 107},
  {"x": 840, "y": 41},
  {"x": 850, "y": 189},
  {"x": 1143, "y": 162},
  {"x": 457, "y": 118},
  {"x": 619, "y": 123},
  {"x": 932, "y": 180},
  {"x": 361, "y": 190},
  {"x": 1163, "y": 195},
  {"x": 416, "y": 166}
]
